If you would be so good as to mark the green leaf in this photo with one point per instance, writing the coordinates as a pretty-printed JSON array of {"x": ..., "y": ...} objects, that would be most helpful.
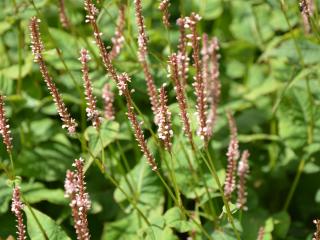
[
  {"x": 295, "y": 115},
  {"x": 40, "y": 226},
  {"x": 125, "y": 228},
  {"x": 141, "y": 184},
  {"x": 310, "y": 51},
  {"x": 48, "y": 161},
  {"x": 281, "y": 224},
  {"x": 209, "y": 9},
  {"x": 174, "y": 219}
]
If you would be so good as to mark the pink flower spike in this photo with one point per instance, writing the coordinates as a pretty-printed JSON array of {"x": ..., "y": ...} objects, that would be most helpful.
[
  {"x": 17, "y": 207},
  {"x": 4, "y": 126},
  {"x": 92, "y": 112},
  {"x": 108, "y": 98},
  {"x": 233, "y": 155},
  {"x": 165, "y": 132},
  {"x": 75, "y": 190},
  {"x": 243, "y": 170},
  {"x": 37, "y": 49}
]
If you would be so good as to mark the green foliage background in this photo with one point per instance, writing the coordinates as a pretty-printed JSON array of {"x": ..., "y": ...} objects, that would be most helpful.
[{"x": 270, "y": 79}]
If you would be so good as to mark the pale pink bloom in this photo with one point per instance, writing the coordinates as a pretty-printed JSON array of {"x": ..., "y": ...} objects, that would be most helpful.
[
  {"x": 92, "y": 112},
  {"x": 75, "y": 190},
  {"x": 233, "y": 155},
  {"x": 37, "y": 49},
  {"x": 243, "y": 170},
  {"x": 4, "y": 126},
  {"x": 17, "y": 207},
  {"x": 165, "y": 132},
  {"x": 108, "y": 98},
  {"x": 136, "y": 126}
]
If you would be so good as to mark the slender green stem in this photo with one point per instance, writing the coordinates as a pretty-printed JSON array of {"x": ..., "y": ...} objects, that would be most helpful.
[
  {"x": 12, "y": 165},
  {"x": 294, "y": 184},
  {"x": 226, "y": 204}
]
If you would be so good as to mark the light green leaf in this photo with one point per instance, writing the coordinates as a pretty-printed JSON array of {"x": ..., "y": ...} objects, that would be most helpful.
[
  {"x": 40, "y": 226},
  {"x": 174, "y": 219},
  {"x": 144, "y": 187}
]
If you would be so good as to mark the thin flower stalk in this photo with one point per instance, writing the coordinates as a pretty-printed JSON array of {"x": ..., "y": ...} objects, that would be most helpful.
[
  {"x": 165, "y": 132},
  {"x": 118, "y": 38},
  {"x": 261, "y": 233},
  {"x": 142, "y": 57},
  {"x": 136, "y": 126},
  {"x": 75, "y": 190},
  {"x": 164, "y": 8},
  {"x": 199, "y": 83},
  {"x": 243, "y": 171},
  {"x": 233, "y": 155},
  {"x": 180, "y": 96},
  {"x": 316, "y": 235},
  {"x": 92, "y": 112},
  {"x": 183, "y": 59},
  {"x": 4, "y": 126},
  {"x": 214, "y": 86},
  {"x": 92, "y": 11},
  {"x": 17, "y": 207},
  {"x": 37, "y": 49},
  {"x": 108, "y": 98},
  {"x": 62, "y": 15}
]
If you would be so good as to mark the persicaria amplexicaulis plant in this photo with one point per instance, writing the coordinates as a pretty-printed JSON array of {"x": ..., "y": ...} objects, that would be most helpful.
[
  {"x": 182, "y": 170},
  {"x": 17, "y": 208},
  {"x": 37, "y": 49},
  {"x": 75, "y": 190},
  {"x": 233, "y": 155},
  {"x": 92, "y": 112},
  {"x": 4, "y": 126}
]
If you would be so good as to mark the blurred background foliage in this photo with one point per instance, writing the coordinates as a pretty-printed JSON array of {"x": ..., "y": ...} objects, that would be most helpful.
[{"x": 269, "y": 70}]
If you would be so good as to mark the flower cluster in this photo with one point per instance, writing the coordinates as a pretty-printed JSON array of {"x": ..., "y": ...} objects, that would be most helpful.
[
  {"x": 92, "y": 11},
  {"x": 4, "y": 126},
  {"x": 142, "y": 56},
  {"x": 316, "y": 235},
  {"x": 16, "y": 208},
  {"x": 213, "y": 86},
  {"x": 183, "y": 59},
  {"x": 37, "y": 48},
  {"x": 75, "y": 189},
  {"x": 164, "y": 120},
  {"x": 136, "y": 126},
  {"x": 306, "y": 12},
  {"x": 243, "y": 170},
  {"x": 92, "y": 112},
  {"x": 199, "y": 86},
  {"x": 63, "y": 16},
  {"x": 118, "y": 38},
  {"x": 180, "y": 96},
  {"x": 164, "y": 8},
  {"x": 261, "y": 233},
  {"x": 108, "y": 98},
  {"x": 233, "y": 155}
]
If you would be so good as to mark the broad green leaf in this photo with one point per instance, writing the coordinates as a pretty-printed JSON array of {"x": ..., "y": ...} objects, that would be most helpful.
[
  {"x": 282, "y": 223},
  {"x": 295, "y": 116},
  {"x": 40, "y": 226},
  {"x": 209, "y": 9},
  {"x": 141, "y": 184},
  {"x": 310, "y": 51},
  {"x": 174, "y": 218},
  {"x": 47, "y": 161},
  {"x": 125, "y": 228}
]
